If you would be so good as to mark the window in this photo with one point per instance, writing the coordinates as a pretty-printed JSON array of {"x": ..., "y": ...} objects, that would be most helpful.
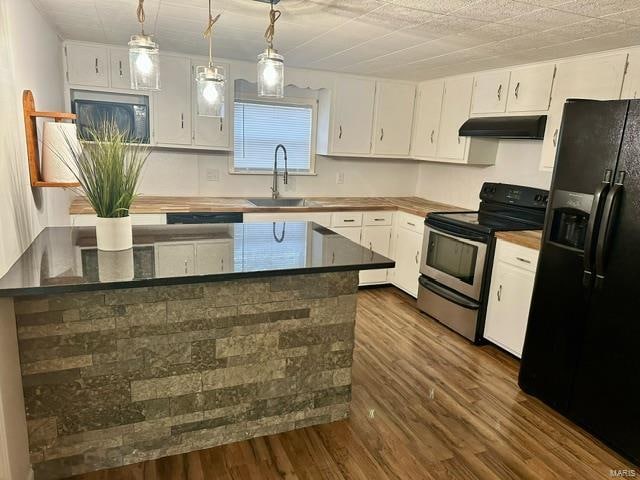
[{"x": 260, "y": 127}]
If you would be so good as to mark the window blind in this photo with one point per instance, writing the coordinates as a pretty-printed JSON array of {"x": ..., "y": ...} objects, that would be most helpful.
[
  {"x": 256, "y": 248},
  {"x": 260, "y": 127}
]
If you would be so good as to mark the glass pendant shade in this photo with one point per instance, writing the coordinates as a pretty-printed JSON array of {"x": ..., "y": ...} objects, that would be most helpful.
[
  {"x": 144, "y": 63},
  {"x": 271, "y": 74},
  {"x": 210, "y": 88}
]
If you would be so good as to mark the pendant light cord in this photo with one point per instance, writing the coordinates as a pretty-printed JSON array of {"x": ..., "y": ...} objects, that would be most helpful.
[
  {"x": 141, "y": 15},
  {"x": 208, "y": 33},
  {"x": 274, "y": 15}
]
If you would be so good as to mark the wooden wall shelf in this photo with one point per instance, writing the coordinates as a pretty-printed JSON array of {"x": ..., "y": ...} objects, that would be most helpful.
[{"x": 33, "y": 152}]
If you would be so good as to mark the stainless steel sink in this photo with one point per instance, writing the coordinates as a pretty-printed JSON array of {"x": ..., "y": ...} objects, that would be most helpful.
[{"x": 278, "y": 202}]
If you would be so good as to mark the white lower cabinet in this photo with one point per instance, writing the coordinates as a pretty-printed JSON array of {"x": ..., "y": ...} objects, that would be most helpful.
[
  {"x": 408, "y": 248},
  {"x": 514, "y": 271},
  {"x": 175, "y": 259},
  {"x": 214, "y": 257},
  {"x": 376, "y": 239}
]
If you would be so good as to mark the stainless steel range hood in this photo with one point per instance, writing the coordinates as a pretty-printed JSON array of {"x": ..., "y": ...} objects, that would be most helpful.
[{"x": 517, "y": 127}]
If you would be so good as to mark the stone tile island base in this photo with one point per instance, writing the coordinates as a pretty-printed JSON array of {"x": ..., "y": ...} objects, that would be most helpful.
[{"x": 121, "y": 376}]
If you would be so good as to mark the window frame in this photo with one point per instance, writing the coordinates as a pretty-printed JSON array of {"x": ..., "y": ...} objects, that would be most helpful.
[{"x": 286, "y": 102}]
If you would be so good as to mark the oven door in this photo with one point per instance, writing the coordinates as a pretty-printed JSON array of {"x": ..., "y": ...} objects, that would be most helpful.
[{"x": 454, "y": 260}]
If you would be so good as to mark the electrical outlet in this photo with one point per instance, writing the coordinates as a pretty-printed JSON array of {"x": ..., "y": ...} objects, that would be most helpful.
[
  {"x": 213, "y": 175},
  {"x": 340, "y": 178}
]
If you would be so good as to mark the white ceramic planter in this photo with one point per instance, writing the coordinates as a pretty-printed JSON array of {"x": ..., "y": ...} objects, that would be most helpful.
[
  {"x": 114, "y": 234},
  {"x": 115, "y": 266}
]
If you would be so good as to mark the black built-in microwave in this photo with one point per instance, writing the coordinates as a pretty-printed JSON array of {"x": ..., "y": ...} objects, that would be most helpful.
[{"x": 130, "y": 118}]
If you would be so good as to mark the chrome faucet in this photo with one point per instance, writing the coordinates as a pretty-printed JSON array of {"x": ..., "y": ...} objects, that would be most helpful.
[{"x": 285, "y": 177}]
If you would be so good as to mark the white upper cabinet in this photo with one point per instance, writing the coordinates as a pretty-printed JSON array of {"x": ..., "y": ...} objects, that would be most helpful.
[
  {"x": 426, "y": 125},
  {"x": 530, "y": 88},
  {"x": 490, "y": 92},
  {"x": 598, "y": 78},
  {"x": 172, "y": 103},
  {"x": 211, "y": 131},
  {"x": 631, "y": 85},
  {"x": 353, "y": 116},
  {"x": 87, "y": 65},
  {"x": 456, "y": 104},
  {"x": 393, "y": 118},
  {"x": 120, "y": 74}
]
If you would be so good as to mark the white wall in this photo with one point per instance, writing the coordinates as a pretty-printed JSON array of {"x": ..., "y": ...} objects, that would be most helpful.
[
  {"x": 186, "y": 173},
  {"x": 517, "y": 162}
]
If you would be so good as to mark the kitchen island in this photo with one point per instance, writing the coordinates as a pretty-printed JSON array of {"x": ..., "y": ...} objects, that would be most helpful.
[{"x": 200, "y": 335}]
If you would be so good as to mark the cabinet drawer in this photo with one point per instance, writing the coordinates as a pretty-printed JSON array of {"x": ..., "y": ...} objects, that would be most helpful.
[
  {"x": 346, "y": 219},
  {"x": 411, "y": 222},
  {"x": 378, "y": 218},
  {"x": 517, "y": 255}
]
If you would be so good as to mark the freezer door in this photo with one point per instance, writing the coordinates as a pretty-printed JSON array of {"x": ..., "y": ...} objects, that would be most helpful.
[
  {"x": 606, "y": 392},
  {"x": 590, "y": 140}
]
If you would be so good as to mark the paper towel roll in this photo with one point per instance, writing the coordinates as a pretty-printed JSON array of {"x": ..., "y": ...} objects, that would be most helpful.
[{"x": 58, "y": 140}]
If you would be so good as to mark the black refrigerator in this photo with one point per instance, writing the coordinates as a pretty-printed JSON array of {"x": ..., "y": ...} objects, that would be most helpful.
[{"x": 582, "y": 349}]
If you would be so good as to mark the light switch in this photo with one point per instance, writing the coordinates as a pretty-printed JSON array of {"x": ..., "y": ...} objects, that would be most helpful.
[
  {"x": 213, "y": 175},
  {"x": 340, "y": 178}
]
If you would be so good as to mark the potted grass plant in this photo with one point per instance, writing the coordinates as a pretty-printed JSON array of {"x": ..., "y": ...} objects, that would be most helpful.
[{"x": 108, "y": 169}]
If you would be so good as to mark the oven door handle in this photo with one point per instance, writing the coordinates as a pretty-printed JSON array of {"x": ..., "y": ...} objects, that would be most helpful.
[
  {"x": 465, "y": 236},
  {"x": 447, "y": 294}
]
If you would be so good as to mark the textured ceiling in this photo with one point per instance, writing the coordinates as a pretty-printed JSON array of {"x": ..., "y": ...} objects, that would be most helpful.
[{"x": 408, "y": 39}]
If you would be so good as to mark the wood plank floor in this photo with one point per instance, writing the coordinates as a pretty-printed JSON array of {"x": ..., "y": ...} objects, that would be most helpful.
[{"x": 426, "y": 405}]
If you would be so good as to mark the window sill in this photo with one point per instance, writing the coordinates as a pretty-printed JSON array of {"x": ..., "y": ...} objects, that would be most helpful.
[{"x": 258, "y": 172}]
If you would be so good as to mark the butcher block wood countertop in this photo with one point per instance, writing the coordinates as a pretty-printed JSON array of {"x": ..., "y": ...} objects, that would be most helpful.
[
  {"x": 155, "y": 204},
  {"x": 527, "y": 238}
]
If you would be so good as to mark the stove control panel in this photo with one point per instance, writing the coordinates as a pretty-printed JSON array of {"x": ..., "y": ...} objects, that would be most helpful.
[{"x": 514, "y": 195}]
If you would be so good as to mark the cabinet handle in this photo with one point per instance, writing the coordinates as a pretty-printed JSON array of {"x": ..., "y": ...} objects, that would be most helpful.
[
  {"x": 348, "y": 220},
  {"x": 182, "y": 120},
  {"x": 499, "y": 294},
  {"x": 458, "y": 139},
  {"x": 97, "y": 68},
  {"x": 517, "y": 90},
  {"x": 555, "y": 138},
  {"x": 120, "y": 65},
  {"x": 222, "y": 263},
  {"x": 381, "y": 134},
  {"x": 499, "y": 92},
  {"x": 417, "y": 255},
  {"x": 340, "y": 132},
  {"x": 433, "y": 132},
  {"x": 411, "y": 223},
  {"x": 523, "y": 260},
  {"x": 333, "y": 257},
  {"x": 370, "y": 246},
  {"x": 186, "y": 268},
  {"x": 378, "y": 219},
  {"x": 220, "y": 124}
]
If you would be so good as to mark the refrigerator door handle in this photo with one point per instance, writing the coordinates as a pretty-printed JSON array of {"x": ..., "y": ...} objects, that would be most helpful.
[
  {"x": 606, "y": 228},
  {"x": 599, "y": 198}
]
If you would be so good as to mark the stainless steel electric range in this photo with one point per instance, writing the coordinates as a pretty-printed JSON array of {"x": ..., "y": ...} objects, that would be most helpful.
[{"x": 457, "y": 254}]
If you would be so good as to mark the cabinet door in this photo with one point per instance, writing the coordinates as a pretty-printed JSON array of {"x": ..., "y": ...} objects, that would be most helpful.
[
  {"x": 214, "y": 257},
  {"x": 597, "y": 78},
  {"x": 530, "y": 88},
  {"x": 456, "y": 104},
  {"x": 352, "y": 233},
  {"x": 508, "y": 308},
  {"x": 427, "y": 119},
  {"x": 393, "y": 118},
  {"x": 353, "y": 116},
  {"x": 631, "y": 85},
  {"x": 175, "y": 259},
  {"x": 172, "y": 104},
  {"x": 120, "y": 74},
  {"x": 87, "y": 65},
  {"x": 376, "y": 239},
  {"x": 407, "y": 271},
  {"x": 490, "y": 92},
  {"x": 211, "y": 131}
]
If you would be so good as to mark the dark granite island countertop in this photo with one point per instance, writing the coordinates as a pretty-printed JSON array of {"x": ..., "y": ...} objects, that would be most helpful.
[
  {"x": 199, "y": 336},
  {"x": 65, "y": 259}
]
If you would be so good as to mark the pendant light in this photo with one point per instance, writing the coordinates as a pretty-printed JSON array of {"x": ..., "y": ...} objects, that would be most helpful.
[
  {"x": 270, "y": 62},
  {"x": 210, "y": 79},
  {"x": 143, "y": 57}
]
